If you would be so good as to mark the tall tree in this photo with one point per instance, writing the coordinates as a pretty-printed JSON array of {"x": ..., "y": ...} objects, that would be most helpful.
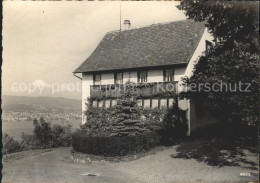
[{"x": 232, "y": 60}]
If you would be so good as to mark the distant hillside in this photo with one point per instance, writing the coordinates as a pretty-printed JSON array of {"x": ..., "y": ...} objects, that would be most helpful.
[{"x": 19, "y": 103}]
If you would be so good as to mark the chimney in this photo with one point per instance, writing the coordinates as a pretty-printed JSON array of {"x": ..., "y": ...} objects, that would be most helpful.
[{"x": 127, "y": 24}]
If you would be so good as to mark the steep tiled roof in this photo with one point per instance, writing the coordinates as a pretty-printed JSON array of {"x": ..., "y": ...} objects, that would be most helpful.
[{"x": 154, "y": 45}]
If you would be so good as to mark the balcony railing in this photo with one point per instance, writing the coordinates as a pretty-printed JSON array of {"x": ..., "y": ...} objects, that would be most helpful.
[{"x": 141, "y": 90}]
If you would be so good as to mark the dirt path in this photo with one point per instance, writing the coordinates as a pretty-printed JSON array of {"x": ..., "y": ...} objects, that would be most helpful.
[{"x": 57, "y": 166}]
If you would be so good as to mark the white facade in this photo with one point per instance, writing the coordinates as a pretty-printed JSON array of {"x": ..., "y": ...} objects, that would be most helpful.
[
  {"x": 191, "y": 114},
  {"x": 153, "y": 75}
]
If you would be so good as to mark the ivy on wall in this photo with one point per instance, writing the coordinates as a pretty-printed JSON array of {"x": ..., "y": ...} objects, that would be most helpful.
[{"x": 126, "y": 118}]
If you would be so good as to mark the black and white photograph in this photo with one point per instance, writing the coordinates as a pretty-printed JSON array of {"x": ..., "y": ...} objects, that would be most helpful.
[{"x": 130, "y": 91}]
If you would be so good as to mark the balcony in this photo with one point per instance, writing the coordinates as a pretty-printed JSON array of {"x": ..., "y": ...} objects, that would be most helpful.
[{"x": 141, "y": 90}]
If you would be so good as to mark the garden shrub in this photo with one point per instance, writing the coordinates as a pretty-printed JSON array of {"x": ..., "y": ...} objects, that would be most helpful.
[
  {"x": 29, "y": 141},
  {"x": 126, "y": 127},
  {"x": 46, "y": 135},
  {"x": 175, "y": 121},
  {"x": 61, "y": 135},
  {"x": 43, "y": 132},
  {"x": 99, "y": 122},
  {"x": 113, "y": 146},
  {"x": 128, "y": 119},
  {"x": 123, "y": 119},
  {"x": 9, "y": 144},
  {"x": 154, "y": 118}
]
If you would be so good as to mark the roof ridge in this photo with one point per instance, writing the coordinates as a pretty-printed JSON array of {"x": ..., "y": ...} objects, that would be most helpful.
[
  {"x": 168, "y": 43},
  {"x": 161, "y": 23}
]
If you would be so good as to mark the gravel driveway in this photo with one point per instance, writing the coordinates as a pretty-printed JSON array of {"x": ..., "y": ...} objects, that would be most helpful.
[{"x": 57, "y": 166}]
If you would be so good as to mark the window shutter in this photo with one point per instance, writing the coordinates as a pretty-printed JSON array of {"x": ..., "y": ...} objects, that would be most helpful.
[{"x": 138, "y": 76}]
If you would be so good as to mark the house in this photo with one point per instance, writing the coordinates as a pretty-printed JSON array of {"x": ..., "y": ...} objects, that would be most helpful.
[{"x": 159, "y": 53}]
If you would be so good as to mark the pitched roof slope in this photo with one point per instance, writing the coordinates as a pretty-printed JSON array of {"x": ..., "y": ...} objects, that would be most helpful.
[{"x": 154, "y": 45}]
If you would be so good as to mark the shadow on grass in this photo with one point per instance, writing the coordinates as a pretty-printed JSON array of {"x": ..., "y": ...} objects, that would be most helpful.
[{"x": 220, "y": 146}]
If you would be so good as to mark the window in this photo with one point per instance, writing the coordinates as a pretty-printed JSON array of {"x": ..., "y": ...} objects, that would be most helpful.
[
  {"x": 163, "y": 103},
  {"x": 171, "y": 102},
  {"x": 100, "y": 104},
  {"x": 147, "y": 103},
  {"x": 139, "y": 102},
  {"x": 107, "y": 103},
  {"x": 208, "y": 45},
  {"x": 155, "y": 103},
  {"x": 168, "y": 75},
  {"x": 113, "y": 103},
  {"x": 94, "y": 104},
  {"x": 142, "y": 76},
  {"x": 97, "y": 79},
  {"x": 118, "y": 78}
]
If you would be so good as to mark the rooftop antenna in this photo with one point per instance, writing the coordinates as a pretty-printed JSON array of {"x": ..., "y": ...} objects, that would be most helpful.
[{"x": 120, "y": 17}]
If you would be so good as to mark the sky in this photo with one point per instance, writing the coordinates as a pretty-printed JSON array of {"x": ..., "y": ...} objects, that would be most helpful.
[{"x": 44, "y": 42}]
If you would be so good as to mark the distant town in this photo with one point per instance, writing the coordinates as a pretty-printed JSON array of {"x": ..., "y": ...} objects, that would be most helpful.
[
  {"x": 30, "y": 115},
  {"x": 21, "y": 108}
]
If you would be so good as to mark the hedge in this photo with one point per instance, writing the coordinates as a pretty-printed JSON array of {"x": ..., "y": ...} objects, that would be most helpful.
[{"x": 113, "y": 146}]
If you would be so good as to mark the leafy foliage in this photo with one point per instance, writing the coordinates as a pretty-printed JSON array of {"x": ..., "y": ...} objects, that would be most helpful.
[
  {"x": 126, "y": 107},
  {"x": 9, "y": 144},
  {"x": 29, "y": 142},
  {"x": 98, "y": 120},
  {"x": 126, "y": 128},
  {"x": 233, "y": 59},
  {"x": 42, "y": 132},
  {"x": 61, "y": 135},
  {"x": 104, "y": 122},
  {"x": 175, "y": 121},
  {"x": 127, "y": 118},
  {"x": 113, "y": 146},
  {"x": 46, "y": 135}
]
